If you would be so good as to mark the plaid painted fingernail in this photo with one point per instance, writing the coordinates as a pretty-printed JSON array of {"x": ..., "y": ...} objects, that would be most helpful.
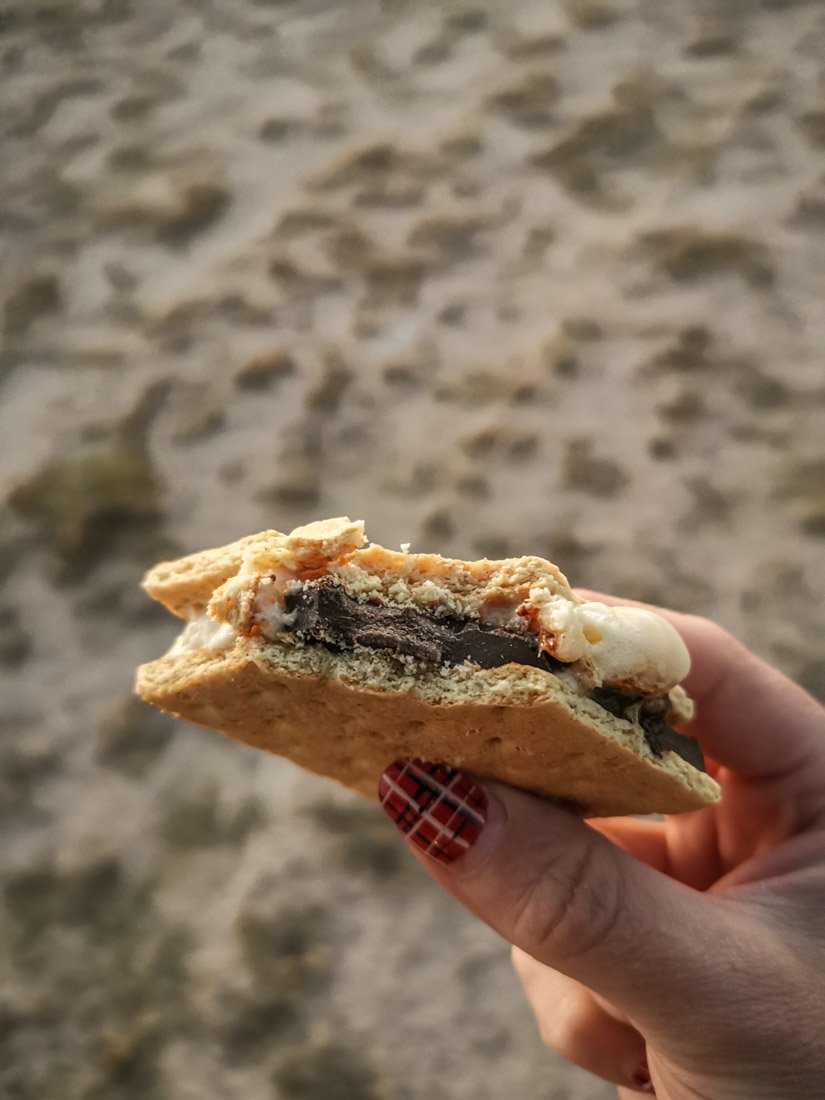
[{"x": 439, "y": 808}]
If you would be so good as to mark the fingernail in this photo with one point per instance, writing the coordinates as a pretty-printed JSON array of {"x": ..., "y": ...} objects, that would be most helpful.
[
  {"x": 440, "y": 809},
  {"x": 641, "y": 1079}
]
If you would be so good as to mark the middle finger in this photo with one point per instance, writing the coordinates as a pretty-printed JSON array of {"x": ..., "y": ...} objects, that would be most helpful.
[{"x": 578, "y": 1026}]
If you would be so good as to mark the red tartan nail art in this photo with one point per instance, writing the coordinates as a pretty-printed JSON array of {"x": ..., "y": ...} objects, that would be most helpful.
[{"x": 440, "y": 809}]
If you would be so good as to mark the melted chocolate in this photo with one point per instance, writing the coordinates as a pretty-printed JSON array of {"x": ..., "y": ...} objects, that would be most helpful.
[
  {"x": 652, "y": 716},
  {"x": 320, "y": 611},
  {"x": 323, "y": 612}
]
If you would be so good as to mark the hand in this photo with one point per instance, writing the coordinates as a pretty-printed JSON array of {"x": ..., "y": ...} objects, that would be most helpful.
[{"x": 689, "y": 951}]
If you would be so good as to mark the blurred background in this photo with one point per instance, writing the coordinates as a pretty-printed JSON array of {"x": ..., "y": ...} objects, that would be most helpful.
[{"x": 497, "y": 277}]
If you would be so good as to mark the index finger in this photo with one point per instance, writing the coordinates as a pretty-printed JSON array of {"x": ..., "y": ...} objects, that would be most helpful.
[{"x": 749, "y": 717}]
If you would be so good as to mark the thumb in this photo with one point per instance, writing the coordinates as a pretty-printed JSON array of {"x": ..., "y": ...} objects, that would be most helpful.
[{"x": 563, "y": 892}]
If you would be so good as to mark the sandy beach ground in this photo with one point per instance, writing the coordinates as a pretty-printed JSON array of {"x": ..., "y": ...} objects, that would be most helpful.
[{"x": 496, "y": 277}]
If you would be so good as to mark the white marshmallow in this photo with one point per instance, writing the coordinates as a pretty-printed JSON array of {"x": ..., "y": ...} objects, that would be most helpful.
[
  {"x": 202, "y": 632},
  {"x": 627, "y": 645}
]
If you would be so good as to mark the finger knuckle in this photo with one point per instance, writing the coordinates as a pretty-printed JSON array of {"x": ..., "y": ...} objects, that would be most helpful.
[
  {"x": 551, "y": 1030},
  {"x": 569, "y": 1032},
  {"x": 570, "y": 905}
]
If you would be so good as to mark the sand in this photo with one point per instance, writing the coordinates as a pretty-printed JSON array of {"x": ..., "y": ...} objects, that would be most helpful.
[{"x": 498, "y": 278}]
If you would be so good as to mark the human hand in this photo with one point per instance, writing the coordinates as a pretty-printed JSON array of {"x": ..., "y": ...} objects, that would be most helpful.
[{"x": 689, "y": 951}]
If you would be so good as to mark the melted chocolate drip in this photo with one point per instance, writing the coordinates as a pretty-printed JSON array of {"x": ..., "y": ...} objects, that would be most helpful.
[{"x": 652, "y": 717}]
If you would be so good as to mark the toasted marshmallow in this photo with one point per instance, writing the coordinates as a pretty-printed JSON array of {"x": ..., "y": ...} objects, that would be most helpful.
[{"x": 627, "y": 646}]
